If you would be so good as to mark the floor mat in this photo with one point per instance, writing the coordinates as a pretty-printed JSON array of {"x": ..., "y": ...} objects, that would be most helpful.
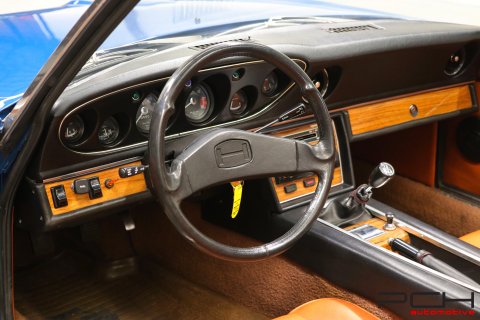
[{"x": 68, "y": 288}]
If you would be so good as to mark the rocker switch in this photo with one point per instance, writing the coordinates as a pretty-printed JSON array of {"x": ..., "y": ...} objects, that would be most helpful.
[
  {"x": 59, "y": 196},
  {"x": 81, "y": 186},
  {"x": 95, "y": 188}
]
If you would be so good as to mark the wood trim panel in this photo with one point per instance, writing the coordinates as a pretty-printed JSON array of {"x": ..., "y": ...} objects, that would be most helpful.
[
  {"x": 123, "y": 187},
  {"x": 384, "y": 114},
  {"x": 382, "y": 240},
  {"x": 301, "y": 191}
]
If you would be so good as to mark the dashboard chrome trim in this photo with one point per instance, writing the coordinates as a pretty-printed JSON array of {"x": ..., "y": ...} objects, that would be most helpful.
[{"x": 265, "y": 109}]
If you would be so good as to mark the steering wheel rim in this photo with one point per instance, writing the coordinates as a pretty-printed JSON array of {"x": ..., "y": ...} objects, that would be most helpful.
[{"x": 173, "y": 184}]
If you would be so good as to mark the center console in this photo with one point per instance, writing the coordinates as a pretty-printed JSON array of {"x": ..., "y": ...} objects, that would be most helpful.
[
  {"x": 370, "y": 248},
  {"x": 389, "y": 257}
]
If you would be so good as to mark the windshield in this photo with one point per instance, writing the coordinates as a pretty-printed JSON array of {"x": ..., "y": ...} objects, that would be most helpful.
[
  {"x": 31, "y": 30},
  {"x": 188, "y": 21}
]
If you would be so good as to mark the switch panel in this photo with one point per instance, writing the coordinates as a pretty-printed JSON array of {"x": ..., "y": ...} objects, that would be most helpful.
[
  {"x": 59, "y": 196},
  {"x": 103, "y": 187},
  {"x": 95, "y": 188}
]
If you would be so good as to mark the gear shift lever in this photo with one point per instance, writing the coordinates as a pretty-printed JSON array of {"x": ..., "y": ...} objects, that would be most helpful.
[
  {"x": 360, "y": 196},
  {"x": 381, "y": 175}
]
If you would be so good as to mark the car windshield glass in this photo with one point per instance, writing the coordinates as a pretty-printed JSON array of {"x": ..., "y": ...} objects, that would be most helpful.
[
  {"x": 31, "y": 30},
  {"x": 143, "y": 33}
]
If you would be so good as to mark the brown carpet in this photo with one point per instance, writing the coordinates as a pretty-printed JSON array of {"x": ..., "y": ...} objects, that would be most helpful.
[
  {"x": 452, "y": 215},
  {"x": 67, "y": 288},
  {"x": 272, "y": 287}
]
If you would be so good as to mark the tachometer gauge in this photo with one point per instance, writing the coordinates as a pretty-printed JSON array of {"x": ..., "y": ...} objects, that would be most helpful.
[
  {"x": 109, "y": 131},
  {"x": 74, "y": 130},
  {"x": 270, "y": 84},
  {"x": 145, "y": 112},
  {"x": 239, "y": 102},
  {"x": 198, "y": 106}
]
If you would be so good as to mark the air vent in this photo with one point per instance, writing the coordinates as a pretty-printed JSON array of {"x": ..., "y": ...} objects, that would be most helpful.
[
  {"x": 206, "y": 45},
  {"x": 455, "y": 62},
  {"x": 365, "y": 27}
]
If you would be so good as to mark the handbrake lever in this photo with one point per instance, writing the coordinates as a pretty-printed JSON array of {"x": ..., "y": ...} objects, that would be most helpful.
[{"x": 427, "y": 259}]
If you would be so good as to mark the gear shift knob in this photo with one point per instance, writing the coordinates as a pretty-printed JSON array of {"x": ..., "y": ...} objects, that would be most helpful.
[{"x": 381, "y": 175}]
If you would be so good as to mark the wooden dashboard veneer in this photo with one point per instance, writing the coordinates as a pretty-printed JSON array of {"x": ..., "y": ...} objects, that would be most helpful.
[
  {"x": 384, "y": 114},
  {"x": 382, "y": 239},
  {"x": 122, "y": 187}
]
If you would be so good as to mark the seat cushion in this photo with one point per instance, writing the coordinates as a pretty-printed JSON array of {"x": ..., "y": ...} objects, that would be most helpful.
[
  {"x": 328, "y": 308},
  {"x": 473, "y": 238}
]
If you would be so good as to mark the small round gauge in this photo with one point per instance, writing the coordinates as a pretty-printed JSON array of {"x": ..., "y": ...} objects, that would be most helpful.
[
  {"x": 239, "y": 102},
  {"x": 270, "y": 84},
  {"x": 74, "y": 129},
  {"x": 109, "y": 131},
  {"x": 145, "y": 113},
  {"x": 198, "y": 106}
]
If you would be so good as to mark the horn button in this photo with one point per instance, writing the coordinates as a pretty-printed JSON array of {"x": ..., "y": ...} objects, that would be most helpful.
[{"x": 233, "y": 153}]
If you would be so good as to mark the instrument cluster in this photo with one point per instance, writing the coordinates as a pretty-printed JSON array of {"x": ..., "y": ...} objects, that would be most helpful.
[{"x": 214, "y": 97}]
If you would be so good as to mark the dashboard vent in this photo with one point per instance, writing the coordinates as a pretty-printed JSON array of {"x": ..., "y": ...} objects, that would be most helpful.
[
  {"x": 365, "y": 27},
  {"x": 206, "y": 45},
  {"x": 456, "y": 62}
]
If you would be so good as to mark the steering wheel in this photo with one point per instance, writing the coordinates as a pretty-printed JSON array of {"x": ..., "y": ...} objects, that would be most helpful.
[{"x": 225, "y": 154}]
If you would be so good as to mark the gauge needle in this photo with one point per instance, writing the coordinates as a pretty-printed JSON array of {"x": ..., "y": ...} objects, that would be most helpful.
[
  {"x": 191, "y": 102},
  {"x": 70, "y": 133},
  {"x": 143, "y": 112}
]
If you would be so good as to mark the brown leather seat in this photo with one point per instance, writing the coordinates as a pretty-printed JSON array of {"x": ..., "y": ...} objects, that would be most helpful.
[
  {"x": 473, "y": 238},
  {"x": 328, "y": 308}
]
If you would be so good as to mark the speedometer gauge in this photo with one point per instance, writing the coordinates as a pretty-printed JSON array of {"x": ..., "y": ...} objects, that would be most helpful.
[
  {"x": 198, "y": 106},
  {"x": 145, "y": 112}
]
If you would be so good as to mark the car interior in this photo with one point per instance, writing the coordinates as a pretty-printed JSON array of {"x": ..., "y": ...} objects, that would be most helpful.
[{"x": 332, "y": 166}]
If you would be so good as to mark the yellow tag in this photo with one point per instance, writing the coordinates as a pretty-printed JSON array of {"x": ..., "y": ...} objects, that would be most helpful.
[{"x": 237, "y": 197}]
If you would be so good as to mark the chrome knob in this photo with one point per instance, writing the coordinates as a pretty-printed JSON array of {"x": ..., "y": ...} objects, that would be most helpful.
[
  {"x": 381, "y": 175},
  {"x": 389, "y": 226}
]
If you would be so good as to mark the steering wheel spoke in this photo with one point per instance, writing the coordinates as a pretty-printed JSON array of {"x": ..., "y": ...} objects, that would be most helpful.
[{"x": 314, "y": 158}]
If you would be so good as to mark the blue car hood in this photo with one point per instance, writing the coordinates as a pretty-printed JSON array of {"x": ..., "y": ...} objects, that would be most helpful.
[{"x": 27, "y": 39}]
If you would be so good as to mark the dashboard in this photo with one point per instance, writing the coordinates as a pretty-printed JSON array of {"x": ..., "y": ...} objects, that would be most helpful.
[{"x": 374, "y": 80}]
